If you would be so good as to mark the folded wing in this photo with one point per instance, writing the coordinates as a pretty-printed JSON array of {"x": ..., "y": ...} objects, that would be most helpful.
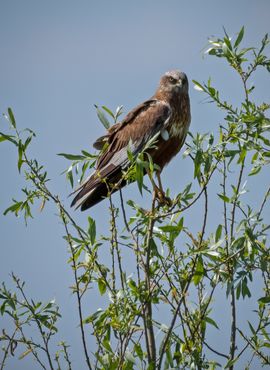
[{"x": 133, "y": 133}]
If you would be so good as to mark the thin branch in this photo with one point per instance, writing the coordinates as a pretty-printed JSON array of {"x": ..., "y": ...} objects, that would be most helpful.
[
  {"x": 148, "y": 321},
  {"x": 215, "y": 351},
  {"x": 264, "y": 202},
  {"x": 77, "y": 291}
]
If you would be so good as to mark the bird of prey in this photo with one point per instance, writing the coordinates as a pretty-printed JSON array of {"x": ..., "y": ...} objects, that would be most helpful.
[{"x": 166, "y": 115}]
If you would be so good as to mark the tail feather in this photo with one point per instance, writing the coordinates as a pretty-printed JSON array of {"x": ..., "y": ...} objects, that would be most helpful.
[
  {"x": 86, "y": 199},
  {"x": 94, "y": 189}
]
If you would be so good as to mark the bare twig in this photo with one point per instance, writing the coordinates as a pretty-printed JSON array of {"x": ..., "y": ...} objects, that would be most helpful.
[{"x": 148, "y": 323}]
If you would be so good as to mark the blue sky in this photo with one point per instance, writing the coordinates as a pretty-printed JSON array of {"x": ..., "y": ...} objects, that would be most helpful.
[{"x": 58, "y": 59}]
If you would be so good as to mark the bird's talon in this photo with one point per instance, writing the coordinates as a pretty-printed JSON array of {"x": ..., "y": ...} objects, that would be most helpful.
[{"x": 162, "y": 198}]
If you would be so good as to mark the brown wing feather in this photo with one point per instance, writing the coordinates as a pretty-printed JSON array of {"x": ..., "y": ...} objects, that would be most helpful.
[
  {"x": 99, "y": 143},
  {"x": 140, "y": 125}
]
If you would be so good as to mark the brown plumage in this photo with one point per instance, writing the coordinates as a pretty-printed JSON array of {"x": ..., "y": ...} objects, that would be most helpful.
[{"x": 166, "y": 114}]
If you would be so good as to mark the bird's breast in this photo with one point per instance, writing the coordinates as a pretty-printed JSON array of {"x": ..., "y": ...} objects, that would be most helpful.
[{"x": 178, "y": 129}]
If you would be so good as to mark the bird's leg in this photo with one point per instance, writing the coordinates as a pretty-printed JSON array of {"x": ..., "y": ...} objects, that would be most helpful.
[
  {"x": 160, "y": 183},
  {"x": 159, "y": 193},
  {"x": 155, "y": 187}
]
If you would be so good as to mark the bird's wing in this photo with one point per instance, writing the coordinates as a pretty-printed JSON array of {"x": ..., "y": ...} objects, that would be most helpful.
[
  {"x": 133, "y": 133},
  {"x": 105, "y": 139}
]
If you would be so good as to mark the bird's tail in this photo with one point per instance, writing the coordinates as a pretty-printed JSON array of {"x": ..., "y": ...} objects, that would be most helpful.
[
  {"x": 89, "y": 196},
  {"x": 93, "y": 190}
]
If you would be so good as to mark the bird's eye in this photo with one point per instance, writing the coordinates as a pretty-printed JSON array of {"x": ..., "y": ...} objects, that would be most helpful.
[{"x": 172, "y": 80}]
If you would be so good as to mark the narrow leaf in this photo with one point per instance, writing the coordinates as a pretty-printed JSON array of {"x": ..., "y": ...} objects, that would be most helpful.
[
  {"x": 72, "y": 157},
  {"x": 211, "y": 322},
  {"x": 92, "y": 230},
  {"x": 102, "y": 117},
  {"x": 218, "y": 233},
  {"x": 108, "y": 111},
  {"x": 264, "y": 300},
  {"x": 224, "y": 198},
  {"x": 239, "y": 37},
  {"x": 20, "y": 155},
  {"x": 101, "y": 286},
  {"x": 11, "y": 118}
]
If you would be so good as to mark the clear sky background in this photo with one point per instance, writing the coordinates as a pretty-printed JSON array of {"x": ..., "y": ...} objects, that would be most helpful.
[{"x": 58, "y": 59}]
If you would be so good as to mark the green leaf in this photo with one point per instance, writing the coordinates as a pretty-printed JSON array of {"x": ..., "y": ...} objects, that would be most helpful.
[
  {"x": 198, "y": 86},
  {"x": 102, "y": 117},
  {"x": 264, "y": 300},
  {"x": 93, "y": 317},
  {"x": 231, "y": 153},
  {"x": 227, "y": 42},
  {"x": 255, "y": 170},
  {"x": 69, "y": 176},
  {"x": 197, "y": 164},
  {"x": 129, "y": 152},
  {"x": 2, "y": 138},
  {"x": 245, "y": 290},
  {"x": 238, "y": 243},
  {"x": 224, "y": 198},
  {"x": 87, "y": 154},
  {"x": 138, "y": 350},
  {"x": 108, "y": 111},
  {"x": 199, "y": 272},
  {"x": 14, "y": 208},
  {"x": 253, "y": 331},
  {"x": 218, "y": 233},
  {"x": 92, "y": 230},
  {"x": 169, "y": 228},
  {"x": 2, "y": 307},
  {"x": 27, "y": 142},
  {"x": 139, "y": 174},
  {"x": 169, "y": 358},
  {"x": 239, "y": 37},
  {"x": 11, "y": 118},
  {"x": 72, "y": 157},
  {"x": 230, "y": 363},
  {"x": 10, "y": 138},
  {"x": 211, "y": 322},
  {"x": 242, "y": 155},
  {"x": 20, "y": 155},
  {"x": 102, "y": 286}
]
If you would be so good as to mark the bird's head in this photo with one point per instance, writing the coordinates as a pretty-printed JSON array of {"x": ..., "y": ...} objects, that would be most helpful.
[{"x": 174, "y": 82}]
